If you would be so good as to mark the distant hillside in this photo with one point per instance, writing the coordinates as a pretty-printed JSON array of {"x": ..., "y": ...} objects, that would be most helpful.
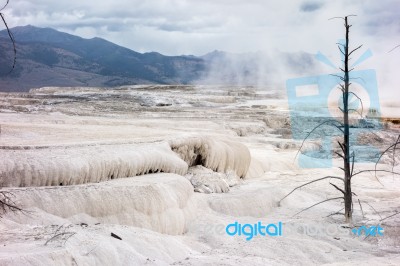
[{"x": 47, "y": 57}]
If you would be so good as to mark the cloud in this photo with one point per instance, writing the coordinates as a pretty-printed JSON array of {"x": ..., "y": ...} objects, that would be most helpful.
[
  {"x": 174, "y": 27},
  {"x": 193, "y": 27},
  {"x": 311, "y": 6}
]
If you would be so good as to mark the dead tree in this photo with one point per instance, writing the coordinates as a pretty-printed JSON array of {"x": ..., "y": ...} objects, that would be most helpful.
[
  {"x": 10, "y": 35},
  {"x": 345, "y": 146},
  {"x": 6, "y": 198},
  {"x": 7, "y": 203}
]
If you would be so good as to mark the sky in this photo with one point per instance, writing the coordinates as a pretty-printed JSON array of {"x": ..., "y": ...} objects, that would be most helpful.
[{"x": 196, "y": 27}]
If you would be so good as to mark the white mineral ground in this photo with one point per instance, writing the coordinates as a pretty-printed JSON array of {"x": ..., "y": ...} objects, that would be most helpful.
[{"x": 166, "y": 168}]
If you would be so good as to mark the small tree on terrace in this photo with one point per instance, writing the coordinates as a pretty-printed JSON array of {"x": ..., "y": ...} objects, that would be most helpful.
[{"x": 346, "y": 153}]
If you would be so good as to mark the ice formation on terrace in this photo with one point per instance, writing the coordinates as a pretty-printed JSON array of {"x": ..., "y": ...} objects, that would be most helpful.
[
  {"x": 160, "y": 202},
  {"x": 205, "y": 180},
  {"x": 218, "y": 155},
  {"x": 79, "y": 165},
  {"x": 69, "y": 165},
  {"x": 256, "y": 168}
]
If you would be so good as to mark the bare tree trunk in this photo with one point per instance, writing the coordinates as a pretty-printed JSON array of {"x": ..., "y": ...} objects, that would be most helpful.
[
  {"x": 348, "y": 201},
  {"x": 347, "y": 155}
]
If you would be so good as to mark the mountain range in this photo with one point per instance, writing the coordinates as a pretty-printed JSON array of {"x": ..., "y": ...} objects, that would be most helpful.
[{"x": 47, "y": 57}]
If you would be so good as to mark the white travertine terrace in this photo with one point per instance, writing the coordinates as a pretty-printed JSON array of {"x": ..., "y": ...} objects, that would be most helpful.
[{"x": 88, "y": 162}]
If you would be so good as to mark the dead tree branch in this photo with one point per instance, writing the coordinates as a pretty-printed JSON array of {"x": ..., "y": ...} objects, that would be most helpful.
[
  {"x": 390, "y": 216},
  {"x": 11, "y": 36},
  {"x": 62, "y": 234},
  {"x": 330, "y": 199},
  {"x": 341, "y": 190},
  {"x": 7, "y": 203},
  {"x": 313, "y": 181},
  {"x": 362, "y": 212},
  {"x": 394, "y": 48},
  {"x": 315, "y": 128},
  {"x": 362, "y": 105},
  {"x": 336, "y": 213}
]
